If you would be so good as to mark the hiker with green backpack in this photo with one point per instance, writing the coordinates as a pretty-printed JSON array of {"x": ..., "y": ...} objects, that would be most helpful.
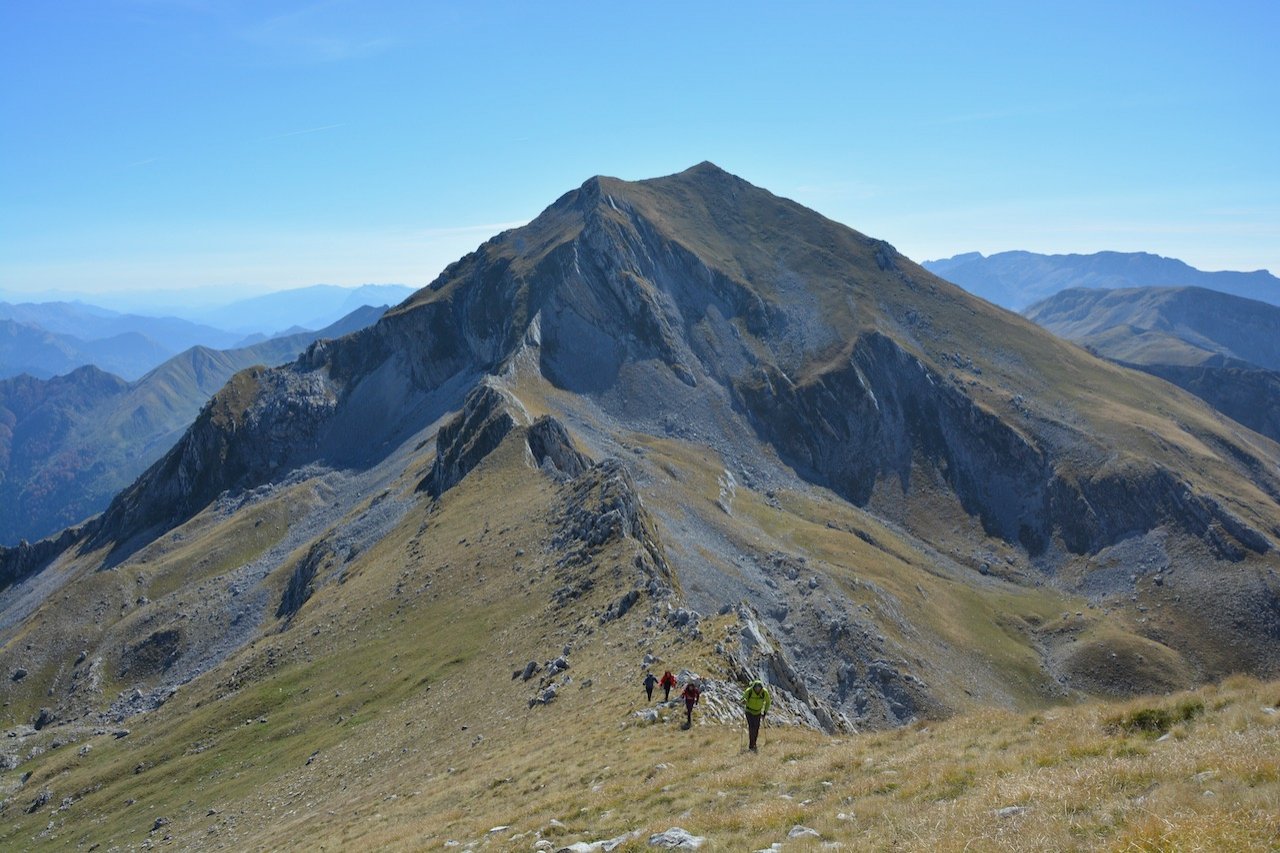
[{"x": 755, "y": 702}]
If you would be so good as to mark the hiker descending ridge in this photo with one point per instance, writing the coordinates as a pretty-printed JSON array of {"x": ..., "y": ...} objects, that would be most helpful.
[
  {"x": 755, "y": 702},
  {"x": 668, "y": 681},
  {"x": 649, "y": 681},
  {"x": 690, "y": 697}
]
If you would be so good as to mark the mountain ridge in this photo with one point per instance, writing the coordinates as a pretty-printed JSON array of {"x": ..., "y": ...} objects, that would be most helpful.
[
  {"x": 564, "y": 278},
  {"x": 799, "y": 456},
  {"x": 1222, "y": 348},
  {"x": 1016, "y": 279}
]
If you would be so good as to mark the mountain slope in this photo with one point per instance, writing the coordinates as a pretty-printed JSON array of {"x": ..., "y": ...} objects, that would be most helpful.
[
  {"x": 1015, "y": 280},
  {"x": 1223, "y": 349},
  {"x": 68, "y": 444},
  {"x": 679, "y": 422},
  {"x": 1243, "y": 330}
]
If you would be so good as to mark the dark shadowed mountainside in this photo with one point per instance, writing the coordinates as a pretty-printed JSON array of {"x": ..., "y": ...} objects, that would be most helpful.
[{"x": 1015, "y": 280}]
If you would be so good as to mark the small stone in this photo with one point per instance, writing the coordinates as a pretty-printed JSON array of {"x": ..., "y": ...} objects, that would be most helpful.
[
  {"x": 676, "y": 838},
  {"x": 1010, "y": 811},
  {"x": 799, "y": 831}
]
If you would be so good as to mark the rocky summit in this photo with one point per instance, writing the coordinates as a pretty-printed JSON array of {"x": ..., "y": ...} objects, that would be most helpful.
[{"x": 679, "y": 424}]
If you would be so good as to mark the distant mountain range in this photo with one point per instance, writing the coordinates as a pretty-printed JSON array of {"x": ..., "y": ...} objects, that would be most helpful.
[
  {"x": 69, "y": 443},
  {"x": 46, "y": 339},
  {"x": 306, "y": 307},
  {"x": 1224, "y": 349},
  {"x": 1015, "y": 280}
]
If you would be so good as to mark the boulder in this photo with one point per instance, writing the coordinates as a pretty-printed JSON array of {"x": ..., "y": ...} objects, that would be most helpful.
[{"x": 677, "y": 839}]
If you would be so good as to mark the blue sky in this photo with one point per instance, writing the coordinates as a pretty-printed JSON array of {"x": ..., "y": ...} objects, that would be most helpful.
[{"x": 151, "y": 144}]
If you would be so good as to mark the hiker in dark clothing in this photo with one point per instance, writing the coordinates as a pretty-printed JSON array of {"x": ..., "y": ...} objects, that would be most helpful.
[
  {"x": 690, "y": 697},
  {"x": 668, "y": 681},
  {"x": 649, "y": 681}
]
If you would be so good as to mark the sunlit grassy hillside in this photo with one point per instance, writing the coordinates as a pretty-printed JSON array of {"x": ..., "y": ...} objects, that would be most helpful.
[{"x": 385, "y": 716}]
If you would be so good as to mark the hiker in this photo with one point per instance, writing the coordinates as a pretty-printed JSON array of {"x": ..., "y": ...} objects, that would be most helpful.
[
  {"x": 668, "y": 681},
  {"x": 690, "y": 697},
  {"x": 755, "y": 702},
  {"x": 649, "y": 681}
]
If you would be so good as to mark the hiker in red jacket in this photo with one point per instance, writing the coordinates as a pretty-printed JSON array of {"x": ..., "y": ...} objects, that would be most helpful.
[
  {"x": 690, "y": 697},
  {"x": 668, "y": 681}
]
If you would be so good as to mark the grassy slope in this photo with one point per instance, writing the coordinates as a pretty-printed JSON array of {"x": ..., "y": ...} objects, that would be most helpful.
[{"x": 385, "y": 716}]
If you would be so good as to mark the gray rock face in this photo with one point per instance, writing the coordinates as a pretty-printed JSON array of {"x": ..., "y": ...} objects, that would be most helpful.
[
  {"x": 553, "y": 450},
  {"x": 874, "y": 415},
  {"x": 261, "y": 420},
  {"x": 601, "y": 506},
  {"x": 26, "y": 558},
  {"x": 301, "y": 582},
  {"x": 487, "y": 417},
  {"x": 484, "y": 421},
  {"x": 756, "y": 655}
]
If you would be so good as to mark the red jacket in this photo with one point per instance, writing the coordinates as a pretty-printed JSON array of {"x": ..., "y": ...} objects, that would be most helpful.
[
  {"x": 668, "y": 680},
  {"x": 691, "y": 694}
]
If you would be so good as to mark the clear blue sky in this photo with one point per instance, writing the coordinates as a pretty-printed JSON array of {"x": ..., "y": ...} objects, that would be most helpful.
[{"x": 198, "y": 143}]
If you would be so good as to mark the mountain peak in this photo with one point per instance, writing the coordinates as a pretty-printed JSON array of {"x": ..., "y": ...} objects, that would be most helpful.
[{"x": 706, "y": 167}]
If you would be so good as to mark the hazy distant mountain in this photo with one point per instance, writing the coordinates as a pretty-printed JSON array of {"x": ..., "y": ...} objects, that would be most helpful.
[
  {"x": 306, "y": 307},
  {"x": 47, "y": 339},
  {"x": 69, "y": 443},
  {"x": 1224, "y": 349},
  {"x": 29, "y": 349},
  {"x": 93, "y": 323},
  {"x": 1015, "y": 280}
]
